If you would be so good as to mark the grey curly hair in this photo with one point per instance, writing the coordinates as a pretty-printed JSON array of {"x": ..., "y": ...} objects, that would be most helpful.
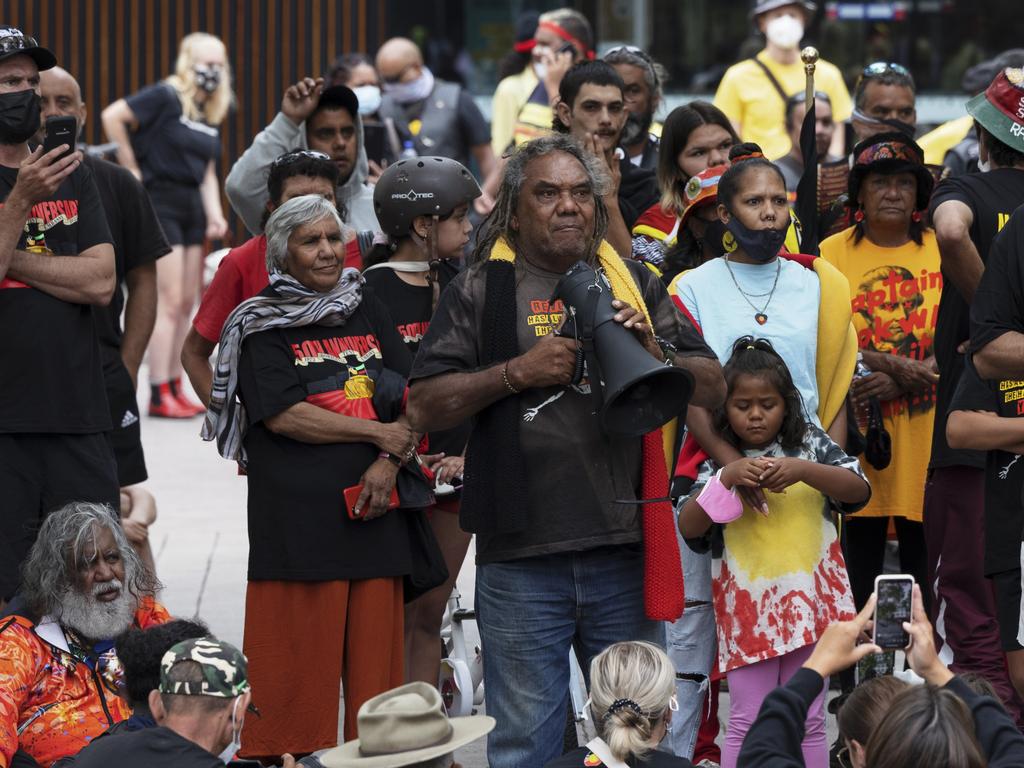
[
  {"x": 286, "y": 218},
  {"x": 59, "y": 551},
  {"x": 499, "y": 222}
]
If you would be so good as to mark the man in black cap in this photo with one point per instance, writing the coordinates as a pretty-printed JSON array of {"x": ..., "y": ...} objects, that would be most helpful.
[
  {"x": 312, "y": 117},
  {"x": 56, "y": 260}
]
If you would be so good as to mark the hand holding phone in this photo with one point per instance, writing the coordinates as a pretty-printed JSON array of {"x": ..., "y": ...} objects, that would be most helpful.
[
  {"x": 60, "y": 129},
  {"x": 893, "y": 607},
  {"x": 921, "y": 655}
]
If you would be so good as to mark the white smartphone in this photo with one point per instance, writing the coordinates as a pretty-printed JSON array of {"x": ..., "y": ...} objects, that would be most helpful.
[{"x": 894, "y": 595}]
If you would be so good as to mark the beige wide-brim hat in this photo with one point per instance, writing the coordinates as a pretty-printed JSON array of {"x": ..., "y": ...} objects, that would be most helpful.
[{"x": 405, "y": 726}]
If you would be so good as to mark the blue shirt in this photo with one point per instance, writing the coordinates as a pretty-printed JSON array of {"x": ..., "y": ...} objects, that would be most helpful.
[{"x": 724, "y": 315}]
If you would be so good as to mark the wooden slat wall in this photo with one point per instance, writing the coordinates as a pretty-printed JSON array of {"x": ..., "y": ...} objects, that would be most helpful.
[{"x": 115, "y": 47}]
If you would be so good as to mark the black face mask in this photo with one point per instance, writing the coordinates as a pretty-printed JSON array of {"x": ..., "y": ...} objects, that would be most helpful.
[
  {"x": 714, "y": 233},
  {"x": 762, "y": 245},
  {"x": 19, "y": 116}
]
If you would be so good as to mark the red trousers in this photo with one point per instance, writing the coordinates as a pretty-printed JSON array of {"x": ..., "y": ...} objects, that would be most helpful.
[{"x": 305, "y": 639}]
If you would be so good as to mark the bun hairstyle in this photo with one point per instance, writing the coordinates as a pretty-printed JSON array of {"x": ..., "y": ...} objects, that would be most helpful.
[
  {"x": 758, "y": 358},
  {"x": 631, "y": 685},
  {"x": 742, "y": 158}
]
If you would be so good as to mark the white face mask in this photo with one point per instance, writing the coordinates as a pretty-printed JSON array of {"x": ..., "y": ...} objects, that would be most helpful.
[
  {"x": 369, "y": 98},
  {"x": 784, "y": 31},
  {"x": 540, "y": 69},
  {"x": 236, "y": 737}
]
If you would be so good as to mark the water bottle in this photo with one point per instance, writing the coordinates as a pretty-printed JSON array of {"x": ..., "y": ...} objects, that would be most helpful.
[
  {"x": 862, "y": 410},
  {"x": 409, "y": 149}
]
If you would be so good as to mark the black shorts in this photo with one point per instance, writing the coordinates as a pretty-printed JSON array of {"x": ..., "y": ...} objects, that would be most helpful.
[
  {"x": 40, "y": 473},
  {"x": 1006, "y": 586},
  {"x": 125, "y": 437},
  {"x": 180, "y": 210}
]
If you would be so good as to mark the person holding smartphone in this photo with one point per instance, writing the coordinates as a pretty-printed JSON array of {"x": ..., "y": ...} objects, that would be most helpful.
[
  {"x": 56, "y": 262},
  {"x": 925, "y": 725},
  {"x": 168, "y": 136}
]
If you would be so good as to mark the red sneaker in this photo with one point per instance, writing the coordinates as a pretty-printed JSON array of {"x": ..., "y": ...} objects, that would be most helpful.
[
  {"x": 168, "y": 407},
  {"x": 186, "y": 405}
]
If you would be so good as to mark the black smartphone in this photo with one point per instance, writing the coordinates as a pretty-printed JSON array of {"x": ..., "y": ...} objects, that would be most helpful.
[
  {"x": 566, "y": 48},
  {"x": 374, "y": 140},
  {"x": 60, "y": 129},
  {"x": 893, "y": 606}
]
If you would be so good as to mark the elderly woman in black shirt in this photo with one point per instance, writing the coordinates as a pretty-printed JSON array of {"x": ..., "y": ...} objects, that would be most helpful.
[{"x": 320, "y": 371}]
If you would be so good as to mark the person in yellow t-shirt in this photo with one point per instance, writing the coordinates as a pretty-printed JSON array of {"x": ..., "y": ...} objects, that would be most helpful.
[
  {"x": 753, "y": 102},
  {"x": 891, "y": 261}
]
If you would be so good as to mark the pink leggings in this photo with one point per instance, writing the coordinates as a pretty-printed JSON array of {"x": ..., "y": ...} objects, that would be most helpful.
[{"x": 748, "y": 687}]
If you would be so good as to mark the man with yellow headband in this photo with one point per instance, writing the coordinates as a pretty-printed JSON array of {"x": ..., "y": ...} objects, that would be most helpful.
[{"x": 565, "y": 554}]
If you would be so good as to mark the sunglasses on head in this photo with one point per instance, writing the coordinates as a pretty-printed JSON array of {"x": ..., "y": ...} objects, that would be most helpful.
[
  {"x": 299, "y": 154},
  {"x": 636, "y": 52},
  {"x": 883, "y": 67}
]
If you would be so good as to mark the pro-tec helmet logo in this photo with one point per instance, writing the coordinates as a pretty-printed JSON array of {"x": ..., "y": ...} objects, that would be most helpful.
[{"x": 411, "y": 195}]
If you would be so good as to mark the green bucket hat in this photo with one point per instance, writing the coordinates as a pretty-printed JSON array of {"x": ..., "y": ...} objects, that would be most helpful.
[
  {"x": 225, "y": 669},
  {"x": 1000, "y": 109}
]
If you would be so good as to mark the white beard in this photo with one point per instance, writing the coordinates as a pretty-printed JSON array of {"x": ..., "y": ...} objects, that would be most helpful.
[{"x": 94, "y": 619}]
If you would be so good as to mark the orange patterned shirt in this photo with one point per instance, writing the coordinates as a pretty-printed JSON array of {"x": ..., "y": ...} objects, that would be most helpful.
[{"x": 51, "y": 703}]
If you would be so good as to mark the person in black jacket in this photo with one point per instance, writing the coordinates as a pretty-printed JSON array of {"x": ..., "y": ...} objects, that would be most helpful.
[{"x": 925, "y": 726}]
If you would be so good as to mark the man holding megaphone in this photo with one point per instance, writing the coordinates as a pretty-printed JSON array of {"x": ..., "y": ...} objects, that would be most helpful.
[{"x": 565, "y": 473}]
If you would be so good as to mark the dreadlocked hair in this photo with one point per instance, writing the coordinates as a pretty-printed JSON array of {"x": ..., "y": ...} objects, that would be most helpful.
[
  {"x": 758, "y": 358},
  {"x": 498, "y": 223}
]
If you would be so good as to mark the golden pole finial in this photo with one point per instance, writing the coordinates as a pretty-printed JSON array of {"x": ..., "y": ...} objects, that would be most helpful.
[{"x": 809, "y": 56}]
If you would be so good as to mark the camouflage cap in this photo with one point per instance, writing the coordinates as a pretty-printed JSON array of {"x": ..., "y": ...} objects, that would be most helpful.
[{"x": 225, "y": 669}]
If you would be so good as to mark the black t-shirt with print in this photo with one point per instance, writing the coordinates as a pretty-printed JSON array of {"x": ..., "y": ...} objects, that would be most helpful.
[
  {"x": 574, "y": 474},
  {"x": 137, "y": 237},
  {"x": 299, "y": 529},
  {"x": 409, "y": 307},
  {"x": 991, "y": 197},
  {"x": 167, "y": 145},
  {"x": 50, "y": 370},
  {"x": 1004, "y": 471}
]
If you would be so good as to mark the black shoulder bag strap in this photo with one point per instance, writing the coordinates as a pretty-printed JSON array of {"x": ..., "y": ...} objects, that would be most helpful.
[{"x": 771, "y": 78}]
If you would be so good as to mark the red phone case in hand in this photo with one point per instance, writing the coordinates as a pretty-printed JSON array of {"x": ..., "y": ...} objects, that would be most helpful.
[{"x": 352, "y": 496}]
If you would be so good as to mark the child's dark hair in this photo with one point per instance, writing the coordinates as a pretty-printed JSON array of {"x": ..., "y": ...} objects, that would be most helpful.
[
  {"x": 757, "y": 357},
  {"x": 743, "y": 157}
]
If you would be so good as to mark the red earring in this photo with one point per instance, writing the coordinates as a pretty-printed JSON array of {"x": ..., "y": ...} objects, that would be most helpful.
[
  {"x": 858, "y": 216},
  {"x": 916, "y": 217}
]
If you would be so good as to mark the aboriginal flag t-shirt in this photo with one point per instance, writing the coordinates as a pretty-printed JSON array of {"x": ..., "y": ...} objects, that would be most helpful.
[
  {"x": 299, "y": 529},
  {"x": 50, "y": 372}
]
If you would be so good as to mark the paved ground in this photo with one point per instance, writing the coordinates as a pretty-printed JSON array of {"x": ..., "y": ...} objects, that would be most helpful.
[{"x": 200, "y": 542}]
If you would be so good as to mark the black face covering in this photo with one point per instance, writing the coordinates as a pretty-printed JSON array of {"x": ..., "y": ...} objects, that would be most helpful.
[
  {"x": 762, "y": 245},
  {"x": 19, "y": 116},
  {"x": 207, "y": 78},
  {"x": 636, "y": 128},
  {"x": 714, "y": 234}
]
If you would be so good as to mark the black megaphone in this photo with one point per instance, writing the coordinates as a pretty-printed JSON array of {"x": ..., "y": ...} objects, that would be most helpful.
[{"x": 640, "y": 393}]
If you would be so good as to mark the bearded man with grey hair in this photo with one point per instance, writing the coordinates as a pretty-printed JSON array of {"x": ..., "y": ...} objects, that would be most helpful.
[
  {"x": 82, "y": 586},
  {"x": 561, "y": 544}
]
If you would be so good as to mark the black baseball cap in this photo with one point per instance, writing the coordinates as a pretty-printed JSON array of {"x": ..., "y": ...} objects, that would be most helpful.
[
  {"x": 339, "y": 96},
  {"x": 14, "y": 42}
]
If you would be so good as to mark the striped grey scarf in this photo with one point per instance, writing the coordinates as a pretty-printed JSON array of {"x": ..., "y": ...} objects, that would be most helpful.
[{"x": 295, "y": 307}]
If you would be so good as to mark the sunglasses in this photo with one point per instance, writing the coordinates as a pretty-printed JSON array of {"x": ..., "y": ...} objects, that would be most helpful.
[
  {"x": 640, "y": 52},
  {"x": 883, "y": 67},
  {"x": 396, "y": 79},
  {"x": 296, "y": 156}
]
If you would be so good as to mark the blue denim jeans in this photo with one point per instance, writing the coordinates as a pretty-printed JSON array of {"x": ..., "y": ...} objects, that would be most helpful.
[
  {"x": 691, "y": 646},
  {"x": 530, "y": 613}
]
